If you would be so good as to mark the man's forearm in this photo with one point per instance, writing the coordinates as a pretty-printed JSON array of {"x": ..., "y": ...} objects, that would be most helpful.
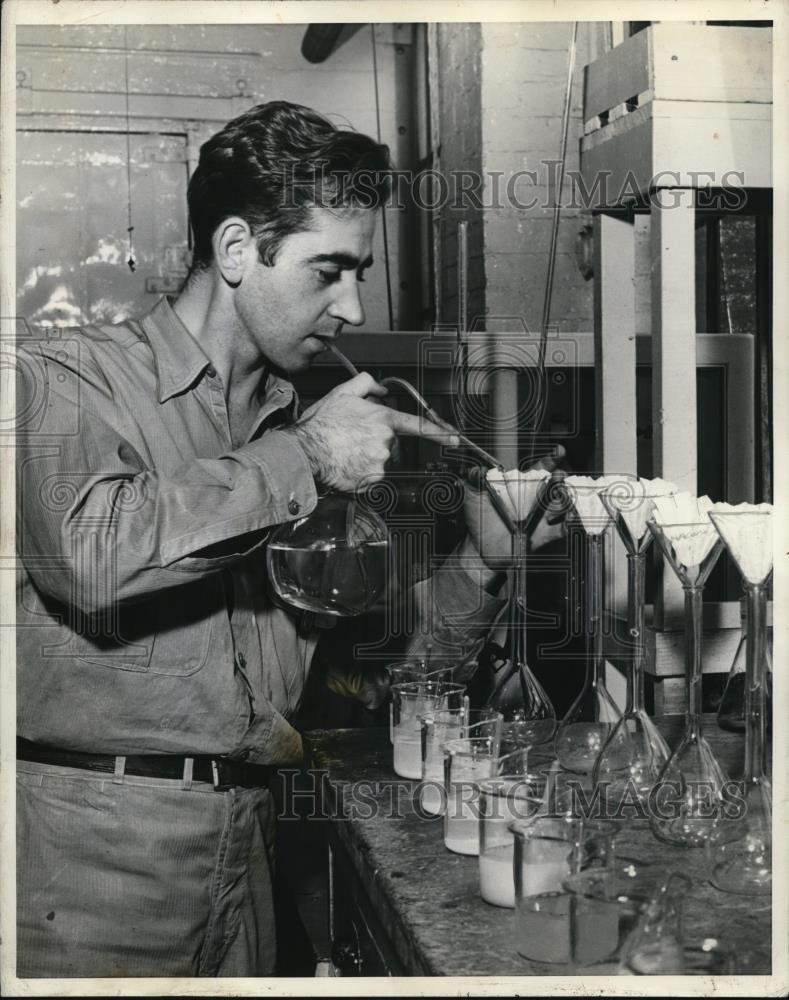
[{"x": 456, "y": 606}]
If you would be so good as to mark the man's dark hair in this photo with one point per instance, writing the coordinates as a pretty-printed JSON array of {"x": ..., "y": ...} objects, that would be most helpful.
[{"x": 271, "y": 166}]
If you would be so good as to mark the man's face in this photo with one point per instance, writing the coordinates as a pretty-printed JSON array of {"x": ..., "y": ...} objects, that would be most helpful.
[{"x": 292, "y": 309}]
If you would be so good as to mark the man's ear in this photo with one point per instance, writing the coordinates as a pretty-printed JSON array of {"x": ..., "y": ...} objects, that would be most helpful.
[{"x": 233, "y": 242}]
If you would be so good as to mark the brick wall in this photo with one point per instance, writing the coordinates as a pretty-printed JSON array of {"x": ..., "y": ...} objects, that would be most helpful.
[
  {"x": 523, "y": 74},
  {"x": 459, "y": 57},
  {"x": 501, "y": 99}
]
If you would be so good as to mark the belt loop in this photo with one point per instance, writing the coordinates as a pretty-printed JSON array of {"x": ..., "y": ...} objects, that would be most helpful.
[
  {"x": 120, "y": 769},
  {"x": 186, "y": 780}
]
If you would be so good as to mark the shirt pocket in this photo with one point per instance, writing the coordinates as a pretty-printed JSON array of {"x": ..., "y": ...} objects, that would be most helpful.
[
  {"x": 167, "y": 634},
  {"x": 185, "y": 618},
  {"x": 120, "y": 639}
]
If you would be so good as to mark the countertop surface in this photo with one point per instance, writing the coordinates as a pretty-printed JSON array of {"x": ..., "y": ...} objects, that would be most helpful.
[{"x": 428, "y": 897}]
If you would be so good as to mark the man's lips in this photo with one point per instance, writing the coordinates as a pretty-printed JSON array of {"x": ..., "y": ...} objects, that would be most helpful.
[{"x": 324, "y": 339}]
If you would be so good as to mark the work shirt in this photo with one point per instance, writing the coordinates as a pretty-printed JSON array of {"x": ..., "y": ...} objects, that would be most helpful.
[{"x": 145, "y": 623}]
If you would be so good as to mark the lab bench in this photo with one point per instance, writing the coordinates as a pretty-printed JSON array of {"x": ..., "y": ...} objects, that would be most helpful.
[{"x": 401, "y": 904}]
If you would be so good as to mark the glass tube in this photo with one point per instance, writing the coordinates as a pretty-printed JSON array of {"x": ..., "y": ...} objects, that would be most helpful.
[{"x": 592, "y": 716}]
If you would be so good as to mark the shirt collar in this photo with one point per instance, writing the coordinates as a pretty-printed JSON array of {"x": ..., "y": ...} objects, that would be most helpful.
[
  {"x": 178, "y": 357},
  {"x": 180, "y": 360}
]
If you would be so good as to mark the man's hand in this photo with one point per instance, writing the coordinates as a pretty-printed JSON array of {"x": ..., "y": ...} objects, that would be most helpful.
[
  {"x": 490, "y": 536},
  {"x": 348, "y": 438},
  {"x": 369, "y": 686}
]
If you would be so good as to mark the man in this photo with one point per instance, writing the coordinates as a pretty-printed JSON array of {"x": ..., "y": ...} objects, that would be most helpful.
[{"x": 155, "y": 676}]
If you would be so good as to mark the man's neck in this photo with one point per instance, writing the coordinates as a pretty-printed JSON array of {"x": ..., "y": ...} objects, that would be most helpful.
[{"x": 205, "y": 307}]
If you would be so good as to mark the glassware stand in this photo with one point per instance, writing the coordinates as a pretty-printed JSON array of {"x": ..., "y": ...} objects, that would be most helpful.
[
  {"x": 739, "y": 849},
  {"x": 691, "y": 784},
  {"x": 635, "y": 752},
  {"x": 592, "y": 717},
  {"x": 529, "y": 709}
]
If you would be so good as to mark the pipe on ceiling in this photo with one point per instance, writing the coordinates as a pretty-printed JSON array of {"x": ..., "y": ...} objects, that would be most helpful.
[{"x": 319, "y": 41}]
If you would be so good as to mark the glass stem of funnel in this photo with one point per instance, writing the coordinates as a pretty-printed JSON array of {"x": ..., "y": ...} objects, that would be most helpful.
[
  {"x": 636, "y": 585},
  {"x": 755, "y": 680},
  {"x": 594, "y": 597},
  {"x": 694, "y": 635},
  {"x": 518, "y": 600}
]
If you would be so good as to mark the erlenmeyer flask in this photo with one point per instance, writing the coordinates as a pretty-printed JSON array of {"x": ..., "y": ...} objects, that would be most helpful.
[
  {"x": 593, "y": 715},
  {"x": 635, "y": 752},
  {"x": 690, "y": 786},
  {"x": 529, "y": 716},
  {"x": 333, "y": 561},
  {"x": 731, "y": 710},
  {"x": 739, "y": 850},
  {"x": 656, "y": 946}
]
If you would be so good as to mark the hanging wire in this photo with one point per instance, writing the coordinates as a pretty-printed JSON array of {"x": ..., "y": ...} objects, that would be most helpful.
[
  {"x": 557, "y": 207},
  {"x": 383, "y": 209},
  {"x": 132, "y": 262}
]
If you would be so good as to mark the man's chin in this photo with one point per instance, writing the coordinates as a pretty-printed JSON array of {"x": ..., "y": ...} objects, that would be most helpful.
[{"x": 302, "y": 362}]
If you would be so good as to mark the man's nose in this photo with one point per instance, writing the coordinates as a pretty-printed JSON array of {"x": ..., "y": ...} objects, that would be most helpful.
[{"x": 347, "y": 306}]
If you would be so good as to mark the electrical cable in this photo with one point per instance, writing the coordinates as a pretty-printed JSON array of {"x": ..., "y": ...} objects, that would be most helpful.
[{"x": 557, "y": 209}]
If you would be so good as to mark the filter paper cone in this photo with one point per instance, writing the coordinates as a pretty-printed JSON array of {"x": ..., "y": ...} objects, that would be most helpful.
[
  {"x": 634, "y": 499},
  {"x": 749, "y": 539},
  {"x": 685, "y": 521},
  {"x": 517, "y": 490},
  {"x": 585, "y": 493}
]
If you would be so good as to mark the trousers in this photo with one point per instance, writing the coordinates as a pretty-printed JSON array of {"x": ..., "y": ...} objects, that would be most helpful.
[{"x": 137, "y": 877}]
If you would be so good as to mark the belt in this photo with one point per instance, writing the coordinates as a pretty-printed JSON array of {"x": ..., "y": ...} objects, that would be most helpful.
[{"x": 221, "y": 772}]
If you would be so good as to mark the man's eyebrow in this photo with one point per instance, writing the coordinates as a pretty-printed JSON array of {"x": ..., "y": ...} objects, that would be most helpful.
[{"x": 346, "y": 261}]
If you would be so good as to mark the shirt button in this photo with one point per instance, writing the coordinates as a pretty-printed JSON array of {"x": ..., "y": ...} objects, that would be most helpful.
[
  {"x": 211, "y": 371},
  {"x": 293, "y": 505}
]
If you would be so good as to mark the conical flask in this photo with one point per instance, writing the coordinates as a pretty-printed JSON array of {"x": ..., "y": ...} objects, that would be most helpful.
[
  {"x": 529, "y": 716},
  {"x": 593, "y": 715},
  {"x": 635, "y": 752},
  {"x": 739, "y": 849},
  {"x": 656, "y": 946},
  {"x": 689, "y": 790}
]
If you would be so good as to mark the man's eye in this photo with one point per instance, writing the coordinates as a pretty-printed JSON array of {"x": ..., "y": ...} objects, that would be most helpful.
[{"x": 329, "y": 277}]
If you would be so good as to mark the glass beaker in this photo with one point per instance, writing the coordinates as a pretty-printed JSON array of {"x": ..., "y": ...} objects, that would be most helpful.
[
  {"x": 467, "y": 762},
  {"x": 591, "y": 718},
  {"x": 739, "y": 849},
  {"x": 605, "y": 906},
  {"x": 503, "y": 801},
  {"x": 689, "y": 790},
  {"x": 547, "y": 850},
  {"x": 437, "y": 729},
  {"x": 416, "y": 670},
  {"x": 420, "y": 669},
  {"x": 731, "y": 710},
  {"x": 333, "y": 561},
  {"x": 517, "y": 498},
  {"x": 410, "y": 702},
  {"x": 635, "y": 753},
  {"x": 571, "y": 795}
]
